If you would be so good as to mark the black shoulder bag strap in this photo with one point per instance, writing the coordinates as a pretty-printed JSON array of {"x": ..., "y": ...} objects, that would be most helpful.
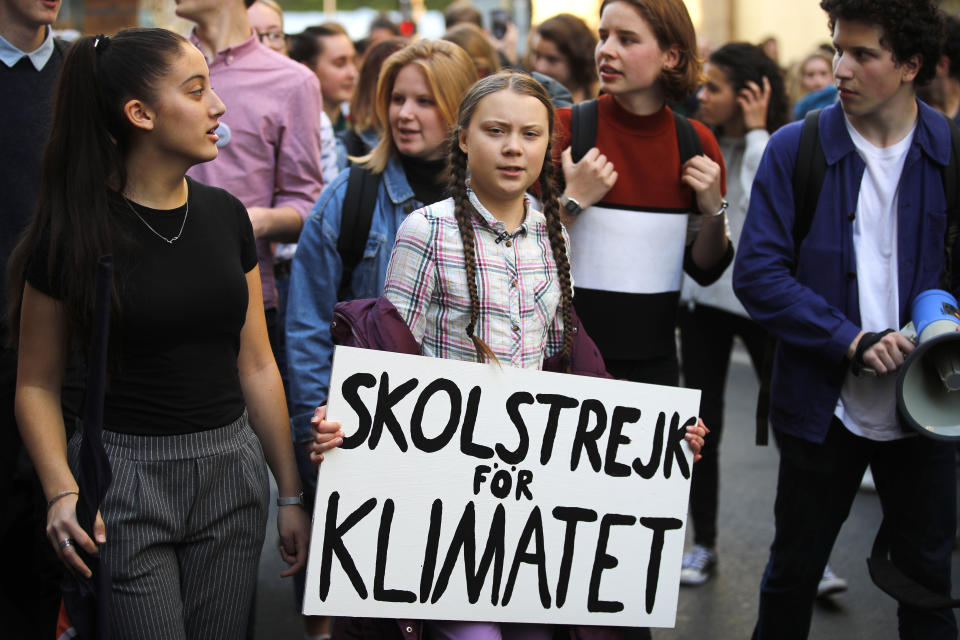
[
  {"x": 882, "y": 571},
  {"x": 355, "y": 218},
  {"x": 808, "y": 175},
  {"x": 688, "y": 142},
  {"x": 951, "y": 185},
  {"x": 583, "y": 128}
]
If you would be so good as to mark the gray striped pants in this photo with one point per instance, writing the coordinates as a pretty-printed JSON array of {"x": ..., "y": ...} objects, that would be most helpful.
[{"x": 185, "y": 519}]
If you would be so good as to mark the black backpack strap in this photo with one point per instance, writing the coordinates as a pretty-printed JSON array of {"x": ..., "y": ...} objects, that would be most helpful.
[
  {"x": 951, "y": 184},
  {"x": 583, "y": 128},
  {"x": 353, "y": 143},
  {"x": 896, "y": 584},
  {"x": 808, "y": 175},
  {"x": 688, "y": 142},
  {"x": 355, "y": 218}
]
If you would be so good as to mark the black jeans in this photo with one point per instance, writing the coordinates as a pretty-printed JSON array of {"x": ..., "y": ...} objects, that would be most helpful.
[
  {"x": 916, "y": 482},
  {"x": 706, "y": 338}
]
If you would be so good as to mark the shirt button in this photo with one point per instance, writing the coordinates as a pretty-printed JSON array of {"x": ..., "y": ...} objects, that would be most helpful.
[
  {"x": 851, "y": 276},
  {"x": 851, "y": 216},
  {"x": 515, "y": 328},
  {"x": 229, "y": 59},
  {"x": 513, "y": 284},
  {"x": 509, "y": 243},
  {"x": 409, "y": 629}
]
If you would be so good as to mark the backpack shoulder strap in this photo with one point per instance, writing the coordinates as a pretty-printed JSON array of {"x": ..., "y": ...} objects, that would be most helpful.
[
  {"x": 688, "y": 142},
  {"x": 353, "y": 143},
  {"x": 355, "y": 219},
  {"x": 583, "y": 128},
  {"x": 808, "y": 177}
]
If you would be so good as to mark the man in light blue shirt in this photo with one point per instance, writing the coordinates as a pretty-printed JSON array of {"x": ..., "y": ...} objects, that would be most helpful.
[{"x": 30, "y": 60}]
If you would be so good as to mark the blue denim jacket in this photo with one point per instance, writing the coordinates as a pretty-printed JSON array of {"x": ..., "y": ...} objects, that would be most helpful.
[
  {"x": 315, "y": 278},
  {"x": 815, "y": 313}
]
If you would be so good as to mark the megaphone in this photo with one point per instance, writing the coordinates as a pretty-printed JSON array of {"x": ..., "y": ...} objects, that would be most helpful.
[{"x": 928, "y": 385}]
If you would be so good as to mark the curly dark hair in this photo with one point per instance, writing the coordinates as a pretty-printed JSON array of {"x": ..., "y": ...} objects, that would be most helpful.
[
  {"x": 910, "y": 27},
  {"x": 743, "y": 62}
]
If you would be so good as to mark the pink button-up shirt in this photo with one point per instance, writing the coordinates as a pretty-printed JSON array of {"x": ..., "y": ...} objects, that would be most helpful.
[{"x": 272, "y": 155}]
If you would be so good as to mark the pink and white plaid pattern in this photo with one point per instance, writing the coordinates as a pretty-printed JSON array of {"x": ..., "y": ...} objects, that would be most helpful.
[{"x": 516, "y": 279}]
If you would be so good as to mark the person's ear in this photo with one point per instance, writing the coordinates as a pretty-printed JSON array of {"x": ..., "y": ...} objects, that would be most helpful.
[
  {"x": 671, "y": 57},
  {"x": 911, "y": 68},
  {"x": 139, "y": 114},
  {"x": 462, "y": 140}
]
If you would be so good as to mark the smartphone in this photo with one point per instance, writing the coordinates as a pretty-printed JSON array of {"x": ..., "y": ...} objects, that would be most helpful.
[{"x": 498, "y": 23}]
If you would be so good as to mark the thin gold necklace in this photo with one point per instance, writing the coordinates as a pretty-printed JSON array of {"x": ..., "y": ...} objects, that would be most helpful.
[{"x": 155, "y": 232}]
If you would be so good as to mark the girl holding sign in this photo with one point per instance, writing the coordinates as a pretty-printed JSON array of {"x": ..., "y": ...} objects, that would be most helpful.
[
  {"x": 483, "y": 275},
  {"x": 194, "y": 401}
]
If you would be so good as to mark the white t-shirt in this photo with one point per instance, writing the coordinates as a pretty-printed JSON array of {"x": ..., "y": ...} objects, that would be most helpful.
[{"x": 867, "y": 405}]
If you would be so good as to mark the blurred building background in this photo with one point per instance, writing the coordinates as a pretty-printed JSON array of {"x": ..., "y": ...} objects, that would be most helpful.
[{"x": 798, "y": 25}]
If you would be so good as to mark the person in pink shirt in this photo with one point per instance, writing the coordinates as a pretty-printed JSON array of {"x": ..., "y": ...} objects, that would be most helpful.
[{"x": 270, "y": 135}]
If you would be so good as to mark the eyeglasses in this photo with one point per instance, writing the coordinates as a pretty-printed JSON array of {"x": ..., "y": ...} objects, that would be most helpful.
[{"x": 270, "y": 36}]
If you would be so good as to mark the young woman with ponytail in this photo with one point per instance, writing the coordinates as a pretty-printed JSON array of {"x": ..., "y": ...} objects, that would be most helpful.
[
  {"x": 194, "y": 402},
  {"x": 483, "y": 276}
]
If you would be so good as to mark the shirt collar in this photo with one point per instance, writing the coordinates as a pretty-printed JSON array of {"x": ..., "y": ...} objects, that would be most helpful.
[
  {"x": 491, "y": 221},
  {"x": 230, "y": 54},
  {"x": 932, "y": 134},
  {"x": 10, "y": 55}
]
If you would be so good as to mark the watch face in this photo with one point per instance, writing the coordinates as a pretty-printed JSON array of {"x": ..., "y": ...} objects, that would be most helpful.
[{"x": 572, "y": 207}]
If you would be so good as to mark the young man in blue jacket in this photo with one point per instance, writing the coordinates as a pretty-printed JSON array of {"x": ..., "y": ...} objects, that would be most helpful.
[{"x": 875, "y": 241}]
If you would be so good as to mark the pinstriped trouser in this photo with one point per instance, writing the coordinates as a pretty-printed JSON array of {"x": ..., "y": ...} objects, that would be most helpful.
[{"x": 185, "y": 520}]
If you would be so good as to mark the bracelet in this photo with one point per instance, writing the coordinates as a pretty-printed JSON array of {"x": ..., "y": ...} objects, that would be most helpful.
[
  {"x": 723, "y": 209},
  {"x": 284, "y": 501},
  {"x": 62, "y": 494}
]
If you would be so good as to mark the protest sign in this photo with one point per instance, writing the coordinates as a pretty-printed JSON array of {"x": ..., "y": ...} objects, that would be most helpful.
[{"x": 468, "y": 491}]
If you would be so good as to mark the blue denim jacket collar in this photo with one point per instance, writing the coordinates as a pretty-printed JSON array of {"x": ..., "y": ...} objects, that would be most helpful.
[
  {"x": 932, "y": 135},
  {"x": 398, "y": 189}
]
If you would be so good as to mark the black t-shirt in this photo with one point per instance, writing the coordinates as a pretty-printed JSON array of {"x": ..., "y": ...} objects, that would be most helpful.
[{"x": 182, "y": 306}]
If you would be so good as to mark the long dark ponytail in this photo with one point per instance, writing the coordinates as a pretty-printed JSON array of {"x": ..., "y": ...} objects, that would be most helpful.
[
  {"x": 83, "y": 166},
  {"x": 463, "y": 211}
]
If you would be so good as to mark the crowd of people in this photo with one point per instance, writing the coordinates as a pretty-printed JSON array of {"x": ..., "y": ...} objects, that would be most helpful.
[{"x": 247, "y": 181}]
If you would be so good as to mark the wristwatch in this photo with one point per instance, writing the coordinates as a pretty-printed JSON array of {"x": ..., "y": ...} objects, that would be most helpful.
[
  {"x": 570, "y": 205},
  {"x": 284, "y": 502}
]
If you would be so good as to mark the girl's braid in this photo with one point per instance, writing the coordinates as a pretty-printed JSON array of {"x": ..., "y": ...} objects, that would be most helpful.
[
  {"x": 551, "y": 211},
  {"x": 463, "y": 213}
]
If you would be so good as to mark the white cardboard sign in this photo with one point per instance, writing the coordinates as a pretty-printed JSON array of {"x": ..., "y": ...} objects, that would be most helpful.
[{"x": 472, "y": 492}]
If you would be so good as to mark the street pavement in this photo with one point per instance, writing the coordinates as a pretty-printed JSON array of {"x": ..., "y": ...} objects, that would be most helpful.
[{"x": 725, "y": 607}]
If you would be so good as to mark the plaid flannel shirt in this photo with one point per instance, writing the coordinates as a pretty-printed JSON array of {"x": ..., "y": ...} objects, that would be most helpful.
[{"x": 517, "y": 282}]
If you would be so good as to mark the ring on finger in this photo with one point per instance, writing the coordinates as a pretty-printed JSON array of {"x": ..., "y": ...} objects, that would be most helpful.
[{"x": 66, "y": 542}]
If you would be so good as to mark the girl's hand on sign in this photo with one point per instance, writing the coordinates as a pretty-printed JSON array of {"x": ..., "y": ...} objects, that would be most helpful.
[
  {"x": 326, "y": 435},
  {"x": 694, "y": 437}
]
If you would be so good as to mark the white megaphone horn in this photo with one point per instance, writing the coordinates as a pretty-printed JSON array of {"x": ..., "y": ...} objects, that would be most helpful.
[{"x": 928, "y": 385}]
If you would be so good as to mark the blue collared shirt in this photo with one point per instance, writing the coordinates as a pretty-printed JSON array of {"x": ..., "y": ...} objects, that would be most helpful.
[
  {"x": 815, "y": 312},
  {"x": 39, "y": 57}
]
